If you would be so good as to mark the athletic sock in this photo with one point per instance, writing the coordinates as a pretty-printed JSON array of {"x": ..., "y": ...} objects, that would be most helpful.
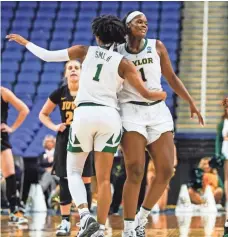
[
  {"x": 129, "y": 224},
  {"x": 66, "y": 217},
  {"x": 89, "y": 194},
  {"x": 144, "y": 212},
  {"x": 11, "y": 192},
  {"x": 102, "y": 227}
]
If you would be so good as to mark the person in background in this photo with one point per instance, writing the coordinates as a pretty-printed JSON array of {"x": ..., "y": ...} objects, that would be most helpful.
[
  {"x": 47, "y": 181},
  {"x": 64, "y": 97},
  {"x": 7, "y": 161},
  {"x": 211, "y": 178}
]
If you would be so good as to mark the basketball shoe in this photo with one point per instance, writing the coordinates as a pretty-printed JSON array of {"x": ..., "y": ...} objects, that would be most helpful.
[{"x": 88, "y": 226}]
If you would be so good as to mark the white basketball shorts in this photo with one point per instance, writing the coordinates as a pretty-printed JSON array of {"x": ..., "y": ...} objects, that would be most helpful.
[
  {"x": 95, "y": 127},
  {"x": 150, "y": 121}
]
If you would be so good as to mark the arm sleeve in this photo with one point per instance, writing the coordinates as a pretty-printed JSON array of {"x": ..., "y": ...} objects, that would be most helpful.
[
  {"x": 55, "y": 96},
  {"x": 47, "y": 55}
]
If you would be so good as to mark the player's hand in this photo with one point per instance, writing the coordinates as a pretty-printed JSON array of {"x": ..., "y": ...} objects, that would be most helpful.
[
  {"x": 60, "y": 127},
  {"x": 164, "y": 95},
  {"x": 194, "y": 111},
  {"x": 158, "y": 95},
  {"x": 6, "y": 128},
  {"x": 17, "y": 38}
]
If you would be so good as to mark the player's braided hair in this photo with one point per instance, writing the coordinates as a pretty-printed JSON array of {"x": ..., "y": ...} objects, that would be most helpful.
[{"x": 110, "y": 29}]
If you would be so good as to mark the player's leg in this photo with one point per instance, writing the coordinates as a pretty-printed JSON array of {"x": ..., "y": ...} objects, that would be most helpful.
[
  {"x": 60, "y": 169},
  {"x": 144, "y": 182},
  {"x": 75, "y": 165},
  {"x": 218, "y": 194},
  {"x": 106, "y": 142},
  {"x": 86, "y": 176},
  {"x": 103, "y": 166},
  {"x": 8, "y": 171},
  {"x": 133, "y": 145},
  {"x": 80, "y": 143},
  {"x": 65, "y": 208},
  {"x": 162, "y": 202},
  {"x": 195, "y": 196},
  {"x": 162, "y": 151}
]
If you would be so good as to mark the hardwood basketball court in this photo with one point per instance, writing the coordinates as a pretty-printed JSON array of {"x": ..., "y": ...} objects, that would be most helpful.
[{"x": 159, "y": 225}]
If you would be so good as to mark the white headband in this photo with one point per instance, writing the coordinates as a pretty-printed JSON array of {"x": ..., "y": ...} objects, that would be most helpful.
[{"x": 133, "y": 15}]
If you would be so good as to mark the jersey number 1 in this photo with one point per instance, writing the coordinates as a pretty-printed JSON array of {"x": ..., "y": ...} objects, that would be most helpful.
[
  {"x": 142, "y": 74},
  {"x": 98, "y": 72}
]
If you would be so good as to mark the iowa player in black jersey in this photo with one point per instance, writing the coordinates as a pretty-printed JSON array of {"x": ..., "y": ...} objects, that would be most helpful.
[
  {"x": 7, "y": 161},
  {"x": 64, "y": 98}
]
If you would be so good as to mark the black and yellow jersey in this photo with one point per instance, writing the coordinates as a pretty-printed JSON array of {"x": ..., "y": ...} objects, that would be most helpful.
[{"x": 65, "y": 101}]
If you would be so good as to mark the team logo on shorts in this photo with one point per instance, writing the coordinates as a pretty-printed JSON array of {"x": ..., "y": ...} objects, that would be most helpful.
[{"x": 149, "y": 49}]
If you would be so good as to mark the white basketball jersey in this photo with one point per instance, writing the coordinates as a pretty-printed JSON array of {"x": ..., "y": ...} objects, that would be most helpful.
[
  {"x": 99, "y": 79},
  {"x": 147, "y": 62}
]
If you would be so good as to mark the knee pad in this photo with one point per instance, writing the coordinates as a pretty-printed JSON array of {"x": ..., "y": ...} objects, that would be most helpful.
[{"x": 65, "y": 196}]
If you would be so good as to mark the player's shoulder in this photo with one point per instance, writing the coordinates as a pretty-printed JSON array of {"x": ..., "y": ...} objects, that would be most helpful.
[
  {"x": 4, "y": 90},
  {"x": 61, "y": 90},
  {"x": 151, "y": 41},
  {"x": 7, "y": 94}
]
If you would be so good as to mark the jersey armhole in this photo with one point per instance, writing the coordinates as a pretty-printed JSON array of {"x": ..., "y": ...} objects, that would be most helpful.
[
  {"x": 119, "y": 77},
  {"x": 154, "y": 43},
  {"x": 88, "y": 50}
]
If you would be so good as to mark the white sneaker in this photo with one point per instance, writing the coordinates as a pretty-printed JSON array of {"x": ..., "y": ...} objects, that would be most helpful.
[
  {"x": 63, "y": 229},
  {"x": 88, "y": 226},
  {"x": 99, "y": 233},
  {"x": 226, "y": 206},
  {"x": 129, "y": 233},
  {"x": 219, "y": 207},
  {"x": 140, "y": 225}
]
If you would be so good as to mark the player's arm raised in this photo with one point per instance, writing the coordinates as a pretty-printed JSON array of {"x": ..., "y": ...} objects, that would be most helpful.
[
  {"x": 74, "y": 52},
  {"x": 127, "y": 70}
]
